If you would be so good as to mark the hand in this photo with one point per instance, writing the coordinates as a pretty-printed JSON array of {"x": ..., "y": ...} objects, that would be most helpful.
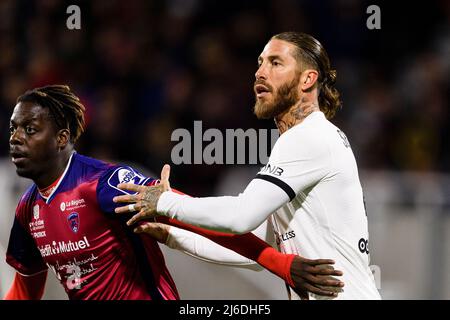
[
  {"x": 315, "y": 276},
  {"x": 159, "y": 231},
  {"x": 145, "y": 200}
]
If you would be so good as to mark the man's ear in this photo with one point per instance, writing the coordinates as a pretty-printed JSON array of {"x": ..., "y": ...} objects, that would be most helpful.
[
  {"x": 308, "y": 79},
  {"x": 63, "y": 138}
]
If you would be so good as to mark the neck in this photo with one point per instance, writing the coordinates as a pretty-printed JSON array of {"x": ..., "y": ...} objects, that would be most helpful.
[
  {"x": 55, "y": 171},
  {"x": 296, "y": 114}
]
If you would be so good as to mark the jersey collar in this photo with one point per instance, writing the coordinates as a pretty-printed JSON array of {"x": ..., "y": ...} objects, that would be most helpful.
[{"x": 50, "y": 196}]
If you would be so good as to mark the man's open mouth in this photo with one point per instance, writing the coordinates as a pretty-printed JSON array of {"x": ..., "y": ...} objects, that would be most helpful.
[
  {"x": 17, "y": 156},
  {"x": 261, "y": 90}
]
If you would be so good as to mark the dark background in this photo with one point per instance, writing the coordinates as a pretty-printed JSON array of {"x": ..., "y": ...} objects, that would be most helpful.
[{"x": 145, "y": 68}]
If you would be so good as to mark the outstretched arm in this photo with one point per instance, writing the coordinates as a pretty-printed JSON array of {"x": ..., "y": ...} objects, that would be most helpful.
[
  {"x": 233, "y": 214},
  {"x": 197, "y": 246},
  {"x": 27, "y": 287},
  {"x": 240, "y": 214},
  {"x": 301, "y": 274}
]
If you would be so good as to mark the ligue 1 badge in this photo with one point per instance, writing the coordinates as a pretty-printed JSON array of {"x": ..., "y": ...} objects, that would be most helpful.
[
  {"x": 36, "y": 212},
  {"x": 74, "y": 221}
]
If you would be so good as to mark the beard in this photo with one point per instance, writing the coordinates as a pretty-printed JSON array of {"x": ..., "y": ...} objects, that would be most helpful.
[{"x": 283, "y": 98}]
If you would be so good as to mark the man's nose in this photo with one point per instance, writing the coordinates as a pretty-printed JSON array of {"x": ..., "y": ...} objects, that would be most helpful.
[
  {"x": 16, "y": 137},
  {"x": 261, "y": 73}
]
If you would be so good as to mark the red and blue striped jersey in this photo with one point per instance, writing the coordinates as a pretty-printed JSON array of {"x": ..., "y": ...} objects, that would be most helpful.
[{"x": 76, "y": 234}]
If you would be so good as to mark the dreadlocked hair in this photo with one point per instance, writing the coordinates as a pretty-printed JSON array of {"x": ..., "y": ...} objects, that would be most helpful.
[{"x": 63, "y": 105}]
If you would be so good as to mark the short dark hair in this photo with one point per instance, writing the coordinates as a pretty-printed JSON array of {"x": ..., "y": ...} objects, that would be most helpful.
[
  {"x": 64, "y": 106},
  {"x": 311, "y": 53}
]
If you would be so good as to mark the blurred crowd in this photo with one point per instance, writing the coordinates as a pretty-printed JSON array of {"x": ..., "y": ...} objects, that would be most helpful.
[{"x": 145, "y": 68}]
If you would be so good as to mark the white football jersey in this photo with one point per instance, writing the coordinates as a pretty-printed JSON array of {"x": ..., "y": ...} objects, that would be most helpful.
[{"x": 326, "y": 218}]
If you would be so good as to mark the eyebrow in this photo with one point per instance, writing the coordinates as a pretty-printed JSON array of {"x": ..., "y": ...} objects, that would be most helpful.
[
  {"x": 270, "y": 58},
  {"x": 26, "y": 121}
]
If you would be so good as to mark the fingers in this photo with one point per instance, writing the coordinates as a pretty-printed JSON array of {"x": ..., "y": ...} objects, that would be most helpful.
[
  {"x": 142, "y": 228},
  {"x": 158, "y": 231},
  {"x": 129, "y": 198},
  {"x": 326, "y": 270},
  {"x": 324, "y": 281},
  {"x": 319, "y": 291},
  {"x": 139, "y": 216},
  {"x": 150, "y": 227},
  {"x": 129, "y": 208},
  {"x": 125, "y": 198},
  {"x": 316, "y": 262},
  {"x": 124, "y": 209},
  {"x": 316, "y": 276},
  {"x": 334, "y": 289},
  {"x": 303, "y": 294},
  {"x": 329, "y": 272},
  {"x": 131, "y": 187},
  {"x": 165, "y": 175}
]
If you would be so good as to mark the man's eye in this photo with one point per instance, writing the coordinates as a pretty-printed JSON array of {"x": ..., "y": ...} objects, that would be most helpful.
[
  {"x": 11, "y": 130},
  {"x": 276, "y": 63},
  {"x": 30, "y": 130}
]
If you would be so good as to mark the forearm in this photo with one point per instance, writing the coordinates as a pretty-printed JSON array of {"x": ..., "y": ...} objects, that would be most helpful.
[
  {"x": 238, "y": 214},
  {"x": 27, "y": 287},
  {"x": 247, "y": 245},
  {"x": 206, "y": 250}
]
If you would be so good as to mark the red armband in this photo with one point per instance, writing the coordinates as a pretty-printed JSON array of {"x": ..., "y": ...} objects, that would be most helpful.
[{"x": 247, "y": 245}]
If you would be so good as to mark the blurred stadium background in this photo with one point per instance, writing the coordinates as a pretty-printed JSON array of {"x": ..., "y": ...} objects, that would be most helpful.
[{"x": 145, "y": 68}]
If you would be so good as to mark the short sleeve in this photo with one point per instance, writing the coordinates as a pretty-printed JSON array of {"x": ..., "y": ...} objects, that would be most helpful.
[
  {"x": 108, "y": 181},
  {"x": 22, "y": 253}
]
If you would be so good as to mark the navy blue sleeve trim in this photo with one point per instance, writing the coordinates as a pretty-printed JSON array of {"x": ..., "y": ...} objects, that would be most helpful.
[
  {"x": 22, "y": 253},
  {"x": 283, "y": 185},
  {"x": 107, "y": 186}
]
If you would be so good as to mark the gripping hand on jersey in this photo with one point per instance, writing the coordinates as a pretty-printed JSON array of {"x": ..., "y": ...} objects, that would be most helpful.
[
  {"x": 146, "y": 198},
  {"x": 315, "y": 276}
]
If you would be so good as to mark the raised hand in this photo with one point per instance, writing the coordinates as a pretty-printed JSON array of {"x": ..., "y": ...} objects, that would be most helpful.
[{"x": 146, "y": 198}]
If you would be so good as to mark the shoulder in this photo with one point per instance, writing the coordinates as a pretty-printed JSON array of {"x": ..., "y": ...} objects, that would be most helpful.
[
  {"x": 29, "y": 194},
  {"x": 92, "y": 163},
  {"x": 109, "y": 174},
  {"x": 123, "y": 174},
  {"x": 305, "y": 140},
  {"x": 25, "y": 206},
  {"x": 84, "y": 168},
  {"x": 107, "y": 184}
]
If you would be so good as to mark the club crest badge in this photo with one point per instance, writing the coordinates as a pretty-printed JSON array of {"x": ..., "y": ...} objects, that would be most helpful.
[{"x": 74, "y": 221}]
